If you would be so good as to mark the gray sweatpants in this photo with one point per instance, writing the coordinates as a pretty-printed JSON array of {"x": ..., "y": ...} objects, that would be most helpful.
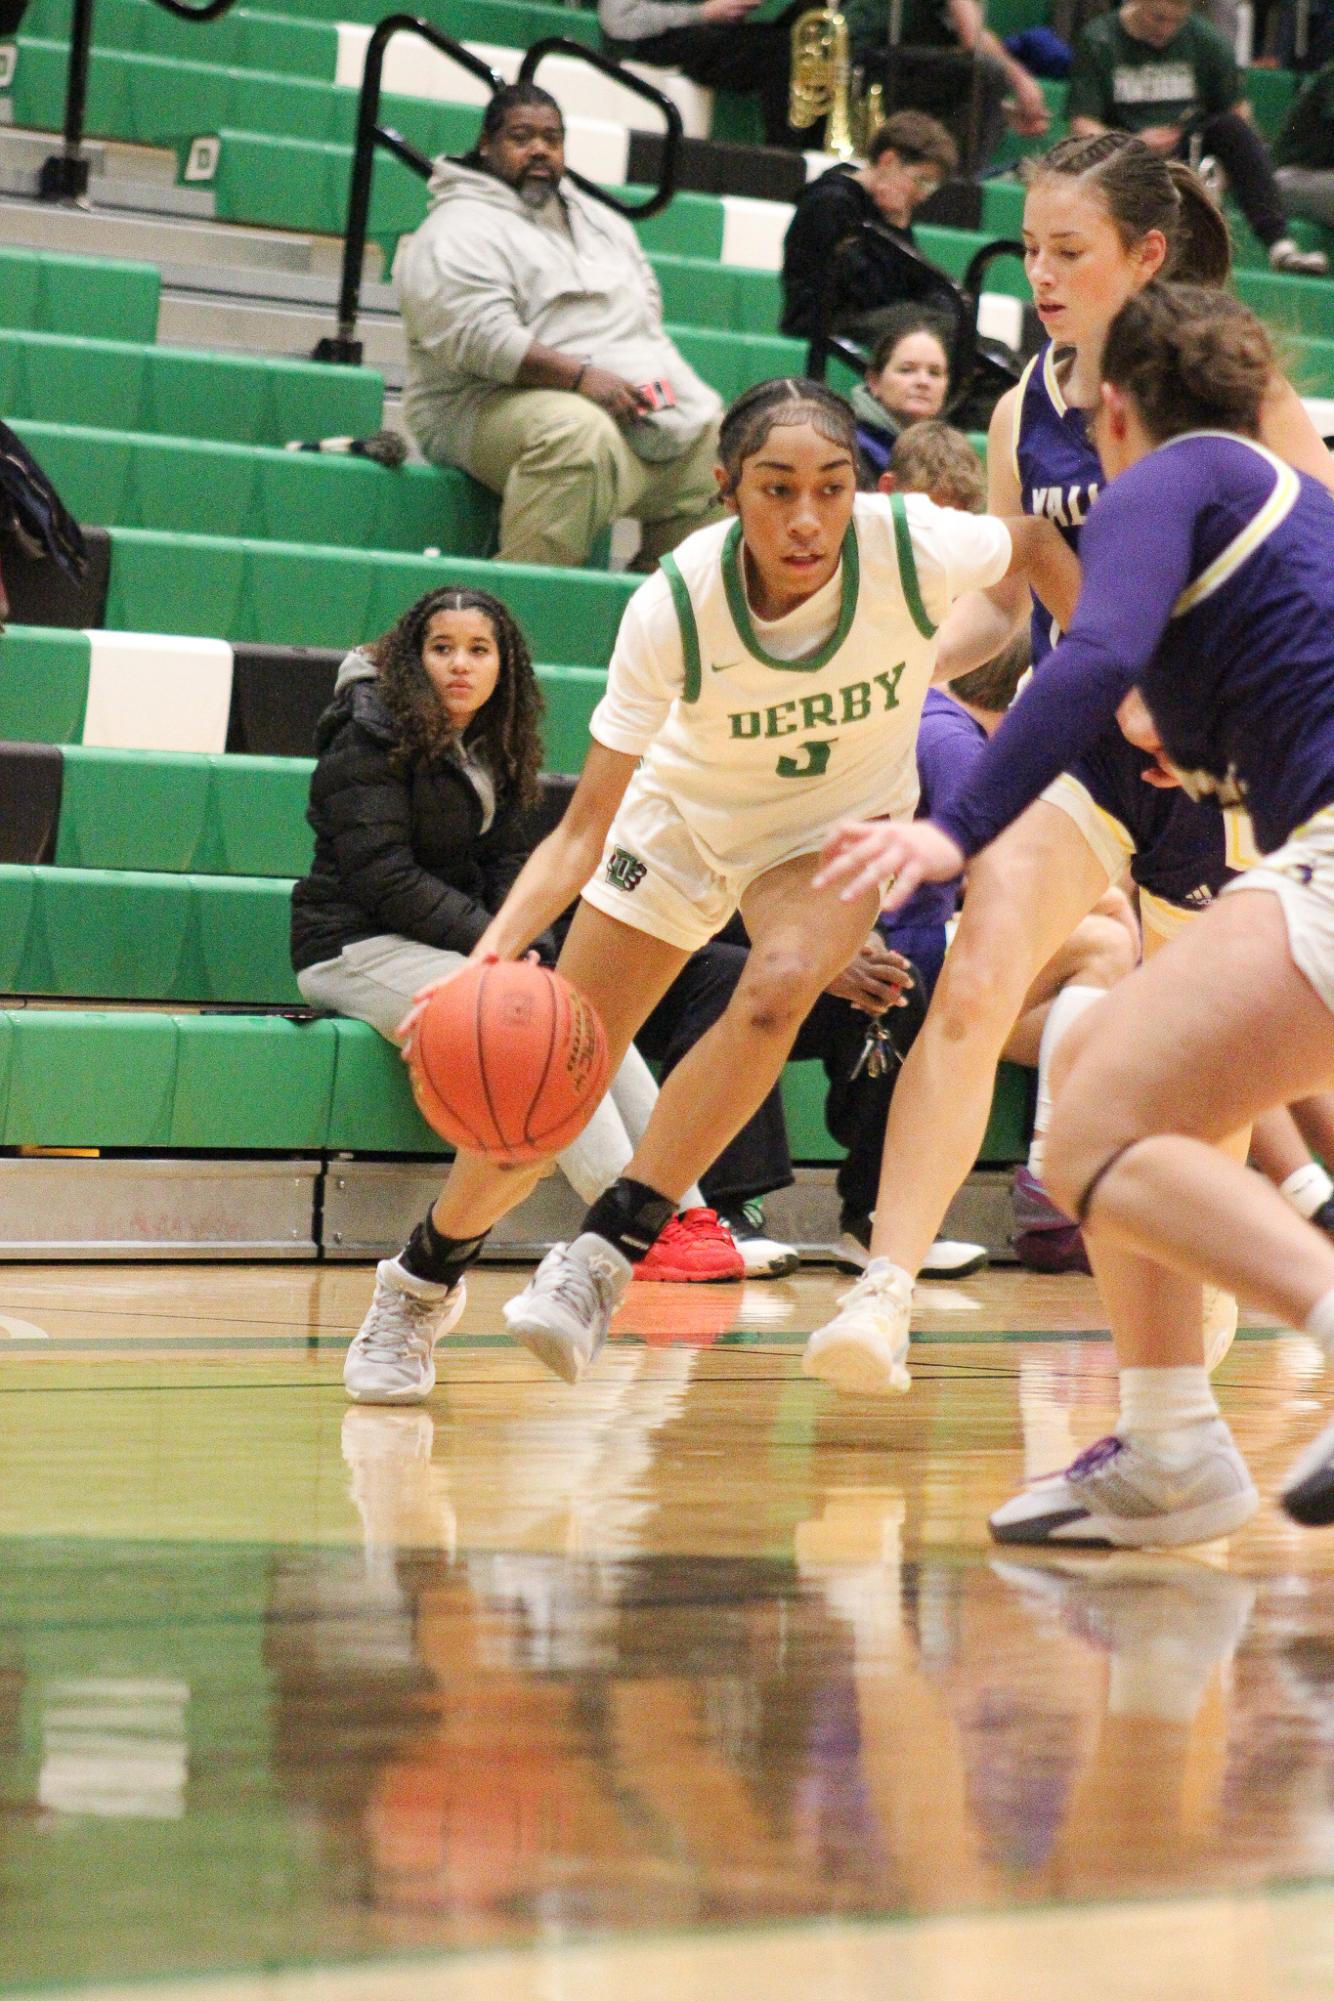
[{"x": 375, "y": 979}]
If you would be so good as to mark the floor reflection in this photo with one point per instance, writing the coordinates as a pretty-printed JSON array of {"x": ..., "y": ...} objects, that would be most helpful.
[{"x": 321, "y": 1754}]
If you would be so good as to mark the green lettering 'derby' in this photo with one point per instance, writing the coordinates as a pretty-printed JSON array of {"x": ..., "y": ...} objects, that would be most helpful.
[{"x": 850, "y": 704}]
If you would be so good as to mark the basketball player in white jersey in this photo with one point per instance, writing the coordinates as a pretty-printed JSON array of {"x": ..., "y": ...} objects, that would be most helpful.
[{"x": 766, "y": 683}]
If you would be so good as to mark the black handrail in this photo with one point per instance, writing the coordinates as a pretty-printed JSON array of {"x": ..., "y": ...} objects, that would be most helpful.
[
  {"x": 967, "y": 340},
  {"x": 344, "y": 347},
  {"x": 64, "y": 175},
  {"x": 962, "y": 299}
]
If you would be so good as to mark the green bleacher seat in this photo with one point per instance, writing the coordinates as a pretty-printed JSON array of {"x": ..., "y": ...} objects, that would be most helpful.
[
  {"x": 372, "y": 1108},
  {"x": 160, "y": 1081},
  {"x": 514, "y": 24},
  {"x": 122, "y": 479},
  {"x": 298, "y": 595},
  {"x": 246, "y": 38},
  {"x": 43, "y": 685},
  {"x": 163, "y": 811},
  {"x": 132, "y": 935},
  {"x": 50, "y": 293},
  {"x": 77, "y": 1078},
  {"x": 571, "y": 694},
  {"x": 255, "y": 1083},
  {"x": 183, "y": 392}
]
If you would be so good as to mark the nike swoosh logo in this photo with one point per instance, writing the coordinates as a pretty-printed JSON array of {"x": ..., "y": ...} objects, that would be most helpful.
[{"x": 723, "y": 666}]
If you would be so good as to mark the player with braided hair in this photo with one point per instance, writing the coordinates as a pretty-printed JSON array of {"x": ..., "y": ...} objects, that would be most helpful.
[
  {"x": 1103, "y": 217},
  {"x": 767, "y": 680}
]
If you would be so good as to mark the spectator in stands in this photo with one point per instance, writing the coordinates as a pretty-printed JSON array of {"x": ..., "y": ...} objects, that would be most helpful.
[
  {"x": 907, "y": 382},
  {"x": 836, "y": 274},
  {"x": 935, "y": 459},
  {"x": 1155, "y": 69},
  {"x": 715, "y": 43},
  {"x": 1305, "y": 151},
  {"x": 427, "y": 767},
  {"x": 930, "y": 76},
  {"x": 537, "y": 359}
]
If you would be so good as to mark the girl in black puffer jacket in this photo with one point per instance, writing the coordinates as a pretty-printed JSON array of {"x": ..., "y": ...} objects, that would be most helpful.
[{"x": 428, "y": 762}]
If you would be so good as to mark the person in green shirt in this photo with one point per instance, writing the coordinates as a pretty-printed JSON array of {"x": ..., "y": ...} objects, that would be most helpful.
[
  {"x": 1305, "y": 151},
  {"x": 1155, "y": 69}
]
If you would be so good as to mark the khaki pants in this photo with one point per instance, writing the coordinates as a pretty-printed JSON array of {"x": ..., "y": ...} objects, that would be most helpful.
[{"x": 564, "y": 472}]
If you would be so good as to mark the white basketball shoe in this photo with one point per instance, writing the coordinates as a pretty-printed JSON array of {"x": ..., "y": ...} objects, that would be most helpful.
[
  {"x": 563, "y": 1313},
  {"x": 863, "y": 1350},
  {"x": 392, "y": 1357}
]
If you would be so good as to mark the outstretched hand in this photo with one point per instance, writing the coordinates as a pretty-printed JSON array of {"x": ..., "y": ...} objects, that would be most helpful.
[{"x": 861, "y": 855}]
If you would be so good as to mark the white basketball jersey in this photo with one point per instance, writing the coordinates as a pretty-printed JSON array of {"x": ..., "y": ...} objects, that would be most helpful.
[{"x": 759, "y": 754}]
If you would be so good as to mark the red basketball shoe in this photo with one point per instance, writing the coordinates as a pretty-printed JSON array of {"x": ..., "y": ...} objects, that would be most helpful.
[{"x": 694, "y": 1249}]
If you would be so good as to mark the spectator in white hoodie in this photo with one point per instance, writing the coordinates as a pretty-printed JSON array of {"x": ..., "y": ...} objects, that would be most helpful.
[{"x": 537, "y": 356}]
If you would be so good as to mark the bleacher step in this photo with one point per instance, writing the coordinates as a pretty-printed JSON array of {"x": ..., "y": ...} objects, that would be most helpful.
[
  {"x": 23, "y": 150},
  {"x": 148, "y": 237},
  {"x": 258, "y": 325}
]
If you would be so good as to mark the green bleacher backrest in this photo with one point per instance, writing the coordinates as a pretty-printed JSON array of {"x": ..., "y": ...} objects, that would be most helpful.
[
  {"x": 256, "y": 1083},
  {"x": 166, "y": 811},
  {"x": 43, "y": 685},
  {"x": 372, "y": 1109}
]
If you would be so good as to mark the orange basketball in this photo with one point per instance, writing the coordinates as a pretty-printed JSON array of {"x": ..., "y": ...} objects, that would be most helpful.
[{"x": 509, "y": 1061}]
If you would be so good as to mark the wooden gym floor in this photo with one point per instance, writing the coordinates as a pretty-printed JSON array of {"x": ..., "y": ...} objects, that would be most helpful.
[{"x": 694, "y": 1684}]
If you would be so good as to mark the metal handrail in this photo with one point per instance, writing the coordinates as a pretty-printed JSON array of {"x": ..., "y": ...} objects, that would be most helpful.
[
  {"x": 343, "y": 346},
  {"x": 64, "y": 175},
  {"x": 964, "y": 342}
]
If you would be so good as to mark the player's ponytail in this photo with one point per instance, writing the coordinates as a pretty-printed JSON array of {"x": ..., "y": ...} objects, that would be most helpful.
[
  {"x": 1191, "y": 358},
  {"x": 1141, "y": 191},
  {"x": 1199, "y": 247},
  {"x": 785, "y": 399}
]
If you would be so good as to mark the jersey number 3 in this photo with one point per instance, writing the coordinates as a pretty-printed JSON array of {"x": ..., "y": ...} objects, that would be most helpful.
[{"x": 813, "y": 762}]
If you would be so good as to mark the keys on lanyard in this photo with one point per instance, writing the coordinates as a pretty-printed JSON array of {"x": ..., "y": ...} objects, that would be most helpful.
[{"x": 878, "y": 1054}]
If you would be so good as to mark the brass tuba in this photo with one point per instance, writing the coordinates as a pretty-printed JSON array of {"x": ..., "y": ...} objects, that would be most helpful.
[{"x": 823, "y": 86}]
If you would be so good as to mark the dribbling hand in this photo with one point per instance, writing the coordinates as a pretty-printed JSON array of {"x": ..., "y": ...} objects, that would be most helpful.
[
  {"x": 860, "y": 855},
  {"x": 407, "y": 1028}
]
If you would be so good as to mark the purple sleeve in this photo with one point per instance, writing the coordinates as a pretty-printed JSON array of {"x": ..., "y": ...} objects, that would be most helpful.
[
  {"x": 949, "y": 743},
  {"x": 1142, "y": 529}
]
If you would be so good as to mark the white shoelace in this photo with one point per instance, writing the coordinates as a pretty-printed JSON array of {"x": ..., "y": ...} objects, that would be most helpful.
[
  {"x": 402, "y": 1320},
  {"x": 583, "y": 1290}
]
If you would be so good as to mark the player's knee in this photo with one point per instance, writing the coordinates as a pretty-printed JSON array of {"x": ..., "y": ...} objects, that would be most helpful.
[
  {"x": 777, "y": 993},
  {"x": 975, "y": 996}
]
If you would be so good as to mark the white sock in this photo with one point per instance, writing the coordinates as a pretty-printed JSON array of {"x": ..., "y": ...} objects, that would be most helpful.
[
  {"x": 1320, "y": 1321},
  {"x": 1307, "y": 1188},
  {"x": 1164, "y": 1407},
  {"x": 1067, "y": 1007}
]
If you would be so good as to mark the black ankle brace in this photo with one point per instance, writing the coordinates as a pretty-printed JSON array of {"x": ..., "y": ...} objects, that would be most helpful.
[
  {"x": 440, "y": 1260},
  {"x": 631, "y": 1215}
]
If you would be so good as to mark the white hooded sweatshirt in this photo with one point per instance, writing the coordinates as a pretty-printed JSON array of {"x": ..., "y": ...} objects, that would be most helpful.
[{"x": 484, "y": 277}]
